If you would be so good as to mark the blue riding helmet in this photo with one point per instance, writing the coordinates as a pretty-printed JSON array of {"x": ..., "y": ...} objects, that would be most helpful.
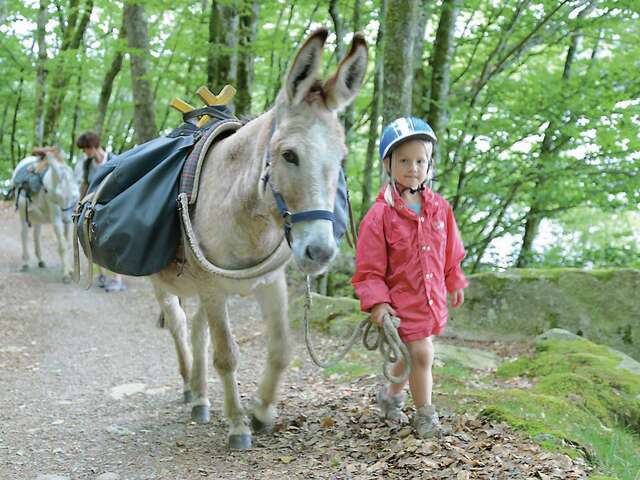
[{"x": 402, "y": 129}]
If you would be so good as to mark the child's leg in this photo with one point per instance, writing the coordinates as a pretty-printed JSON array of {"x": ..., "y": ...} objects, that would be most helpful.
[{"x": 421, "y": 379}]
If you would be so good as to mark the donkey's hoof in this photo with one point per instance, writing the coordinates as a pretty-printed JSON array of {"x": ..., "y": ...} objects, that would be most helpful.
[
  {"x": 41, "y": 264},
  {"x": 200, "y": 414},
  {"x": 24, "y": 268},
  {"x": 258, "y": 426},
  {"x": 240, "y": 441},
  {"x": 66, "y": 279},
  {"x": 187, "y": 396}
]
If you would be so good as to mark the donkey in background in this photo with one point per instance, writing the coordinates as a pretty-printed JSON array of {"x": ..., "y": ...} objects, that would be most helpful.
[
  {"x": 296, "y": 149},
  {"x": 50, "y": 204}
]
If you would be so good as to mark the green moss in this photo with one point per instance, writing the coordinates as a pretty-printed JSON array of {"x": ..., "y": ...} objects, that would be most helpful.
[
  {"x": 553, "y": 320},
  {"x": 580, "y": 403}
]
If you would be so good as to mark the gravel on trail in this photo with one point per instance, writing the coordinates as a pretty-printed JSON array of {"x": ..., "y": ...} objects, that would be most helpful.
[{"x": 89, "y": 389}]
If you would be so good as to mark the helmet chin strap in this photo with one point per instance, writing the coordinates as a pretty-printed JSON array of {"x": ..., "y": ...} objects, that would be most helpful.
[{"x": 420, "y": 188}]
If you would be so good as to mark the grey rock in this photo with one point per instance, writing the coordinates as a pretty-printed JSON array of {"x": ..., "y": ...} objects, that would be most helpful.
[
  {"x": 557, "y": 334},
  {"x": 626, "y": 362},
  {"x": 600, "y": 305},
  {"x": 472, "y": 358},
  {"x": 544, "y": 437}
]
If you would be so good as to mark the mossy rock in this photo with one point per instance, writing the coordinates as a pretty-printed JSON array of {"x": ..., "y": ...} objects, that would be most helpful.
[
  {"x": 581, "y": 402},
  {"x": 626, "y": 362},
  {"x": 600, "y": 305},
  {"x": 333, "y": 315}
]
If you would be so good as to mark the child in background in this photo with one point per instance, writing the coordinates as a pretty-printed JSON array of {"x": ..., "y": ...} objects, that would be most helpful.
[{"x": 407, "y": 258}]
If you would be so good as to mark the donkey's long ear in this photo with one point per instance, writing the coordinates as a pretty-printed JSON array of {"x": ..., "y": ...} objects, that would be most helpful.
[
  {"x": 342, "y": 87},
  {"x": 303, "y": 70}
]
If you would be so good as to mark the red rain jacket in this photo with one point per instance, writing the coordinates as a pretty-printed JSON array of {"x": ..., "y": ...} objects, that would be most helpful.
[{"x": 410, "y": 262}]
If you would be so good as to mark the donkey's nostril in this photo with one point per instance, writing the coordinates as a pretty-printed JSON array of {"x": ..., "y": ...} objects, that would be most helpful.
[{"x": 318, "y": 254}]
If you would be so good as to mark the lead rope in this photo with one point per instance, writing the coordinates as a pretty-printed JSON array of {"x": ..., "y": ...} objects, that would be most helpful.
[{"x": 387, "y": 342}]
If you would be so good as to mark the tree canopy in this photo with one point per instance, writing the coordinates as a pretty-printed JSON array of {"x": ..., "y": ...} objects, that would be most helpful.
[{"x": 536, "y": 103}]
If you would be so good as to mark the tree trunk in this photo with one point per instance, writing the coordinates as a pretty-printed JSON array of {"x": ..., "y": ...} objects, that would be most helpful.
[
  {"x": 400, "y": 18},
  {"x": 440, "y": 67},
  {"x": 272, "y": 58},
  {"x": 338, "y": 27},
  {"x": 248, "y": 28},
  {"x": 76, "y": 116},
  {"x": 534, "y": 215},
  {"x": 107, "y": 83},
  {"x": 5, "y": 113},
  {"x": 41, "y": 73},
  {"x": 143, "y": 115},
  {"x": 72, "y": 36},
  {"x": 232, "y": 20},
  {"x": 14, "y": 122},
  {"x": 282, "y": 59},
  {"x": 367, "y": 181},
  {"x": 349, "y": 113},
  {"x": 217, "y": 53},
  {"x": 420, "y": 92}
]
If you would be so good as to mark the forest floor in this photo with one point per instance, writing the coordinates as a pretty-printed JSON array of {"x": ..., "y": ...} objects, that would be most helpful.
[{"x": 89, "y": 389}]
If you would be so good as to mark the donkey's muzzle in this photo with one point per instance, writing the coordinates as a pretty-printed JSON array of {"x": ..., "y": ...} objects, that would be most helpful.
[{"x": 319, "y": 254}]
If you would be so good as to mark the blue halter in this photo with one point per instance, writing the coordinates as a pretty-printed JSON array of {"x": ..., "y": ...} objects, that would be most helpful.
[{"x": 288, "y": 217}]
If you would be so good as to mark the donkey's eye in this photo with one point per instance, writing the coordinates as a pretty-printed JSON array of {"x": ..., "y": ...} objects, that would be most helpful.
[{"x": 290, "y": 157}]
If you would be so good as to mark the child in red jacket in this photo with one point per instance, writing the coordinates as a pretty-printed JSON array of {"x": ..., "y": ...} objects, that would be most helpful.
[{"x": 407, "y": 259}]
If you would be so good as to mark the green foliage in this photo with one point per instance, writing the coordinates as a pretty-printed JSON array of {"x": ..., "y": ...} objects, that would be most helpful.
[
  {"x": 590, "y": 237},
  {"x": 507, "y": 91}
]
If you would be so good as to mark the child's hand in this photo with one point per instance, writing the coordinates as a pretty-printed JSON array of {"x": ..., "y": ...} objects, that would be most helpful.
[
  {"x": 457, "y": 297},
  {"x": 379, "y": 311}
]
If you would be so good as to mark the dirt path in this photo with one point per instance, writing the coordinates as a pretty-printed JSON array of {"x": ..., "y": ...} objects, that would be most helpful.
[{"x": 89, "y": 389}]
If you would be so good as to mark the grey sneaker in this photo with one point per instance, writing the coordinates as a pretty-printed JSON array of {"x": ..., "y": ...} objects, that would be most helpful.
[
  {"x": 426, "y": 422},
  {"x": 115, "y": 286},
  {"x": 102, "y": 280},
  {"x": 391, "y": 406}
]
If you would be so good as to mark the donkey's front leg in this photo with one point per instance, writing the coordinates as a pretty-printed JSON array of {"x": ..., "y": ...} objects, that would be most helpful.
[
  {"x": 37, "y": 229},
  {"x": 200, "y": 343},
  {"x": 225, "y": 361},
  {"x": 273, "y": 303},
  {"x": 24, "y": 236},
  {"x": 62, "y": 250}
]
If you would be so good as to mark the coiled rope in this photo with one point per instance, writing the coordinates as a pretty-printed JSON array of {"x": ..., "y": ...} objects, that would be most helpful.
[{"x": 387, "y": 341}]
